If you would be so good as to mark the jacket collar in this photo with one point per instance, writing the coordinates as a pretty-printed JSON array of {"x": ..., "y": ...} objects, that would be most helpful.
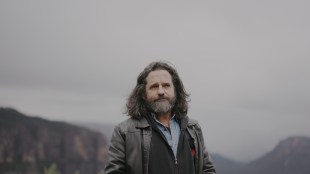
[
  {"x": 184, "y": 122},
  {"x": 141, "y": 123},
  {"x": 192, "y": 122}
]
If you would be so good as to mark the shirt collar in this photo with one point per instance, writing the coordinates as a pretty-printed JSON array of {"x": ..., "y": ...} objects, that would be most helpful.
[{"x": 173, "y": 118}]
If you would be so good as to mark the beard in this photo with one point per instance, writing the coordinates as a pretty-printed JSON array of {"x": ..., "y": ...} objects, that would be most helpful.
[{"x": 161, "y": 105}]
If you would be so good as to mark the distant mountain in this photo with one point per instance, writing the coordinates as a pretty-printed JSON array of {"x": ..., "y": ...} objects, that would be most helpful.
[
  {"x": 225, "y": 165},
  {"x": 28, "y": 145},
  {"x": 105, "y": 129},
  {"x": 290, "y": 156}
]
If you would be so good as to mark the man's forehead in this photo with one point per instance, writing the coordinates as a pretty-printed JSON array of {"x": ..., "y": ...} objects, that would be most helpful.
[{"x": 158, "y": 75}]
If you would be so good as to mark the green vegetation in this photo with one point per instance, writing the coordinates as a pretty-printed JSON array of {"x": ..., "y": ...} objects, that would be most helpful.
[{"x": 52, "y": 169}]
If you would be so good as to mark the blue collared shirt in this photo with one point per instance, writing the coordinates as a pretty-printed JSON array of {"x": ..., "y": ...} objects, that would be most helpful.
[{"x": 171, "y": 133}]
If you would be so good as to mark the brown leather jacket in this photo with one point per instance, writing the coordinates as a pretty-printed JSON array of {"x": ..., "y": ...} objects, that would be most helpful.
[{"x": 130, "y": 147}]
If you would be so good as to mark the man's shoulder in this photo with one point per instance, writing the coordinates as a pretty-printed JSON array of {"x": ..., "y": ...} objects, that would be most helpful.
[
  {"x": 192, "y": 122},
  {"x": 132, "y": 124}
]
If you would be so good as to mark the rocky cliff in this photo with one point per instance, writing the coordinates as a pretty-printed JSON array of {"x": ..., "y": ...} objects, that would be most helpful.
[
  {"x": 28, "y": 145},
  {"x": 290, "y": 156}
]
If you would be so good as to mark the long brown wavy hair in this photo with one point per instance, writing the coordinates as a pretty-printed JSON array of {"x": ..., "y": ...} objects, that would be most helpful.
[{"x": 136, "y": 106}]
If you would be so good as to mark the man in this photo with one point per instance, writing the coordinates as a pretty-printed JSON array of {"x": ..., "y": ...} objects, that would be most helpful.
[{"x": 158, "y": 138}]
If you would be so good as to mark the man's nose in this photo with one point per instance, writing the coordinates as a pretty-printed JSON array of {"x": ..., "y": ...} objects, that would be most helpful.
[{"x": 160, "y": 91}]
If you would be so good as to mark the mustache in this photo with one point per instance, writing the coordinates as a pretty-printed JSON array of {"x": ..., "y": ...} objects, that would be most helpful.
[{"x": 162, "y": 98}]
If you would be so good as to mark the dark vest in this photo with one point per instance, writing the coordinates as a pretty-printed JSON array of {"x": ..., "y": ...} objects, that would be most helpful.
[{"x": 162, "y": 159}]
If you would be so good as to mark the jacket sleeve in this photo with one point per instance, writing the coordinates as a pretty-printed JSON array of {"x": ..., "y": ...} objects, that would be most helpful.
[
  {"x": 116, "y": 154},
  {"x": 207, "y": 164}
]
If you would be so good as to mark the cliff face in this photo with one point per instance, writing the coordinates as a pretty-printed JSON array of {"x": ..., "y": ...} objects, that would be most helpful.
[
  {"x": 290, "y": 156},
  {"x": 29, "y": 144}
]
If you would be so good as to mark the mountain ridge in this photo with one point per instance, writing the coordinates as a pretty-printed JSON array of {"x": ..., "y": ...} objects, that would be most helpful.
[{"x": 28, "y": 145}]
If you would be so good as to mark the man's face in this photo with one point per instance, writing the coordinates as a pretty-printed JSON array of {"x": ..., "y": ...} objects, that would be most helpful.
[{"x": 160, "y": 93}]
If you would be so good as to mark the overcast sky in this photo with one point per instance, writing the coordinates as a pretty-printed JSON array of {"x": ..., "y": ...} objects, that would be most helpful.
[{"x": 244, "y": 62}]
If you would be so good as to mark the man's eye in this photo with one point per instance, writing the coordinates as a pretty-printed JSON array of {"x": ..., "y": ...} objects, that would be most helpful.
[
  {"x": 154, "y": 87},
  {"x": 166, "y": 85}
]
